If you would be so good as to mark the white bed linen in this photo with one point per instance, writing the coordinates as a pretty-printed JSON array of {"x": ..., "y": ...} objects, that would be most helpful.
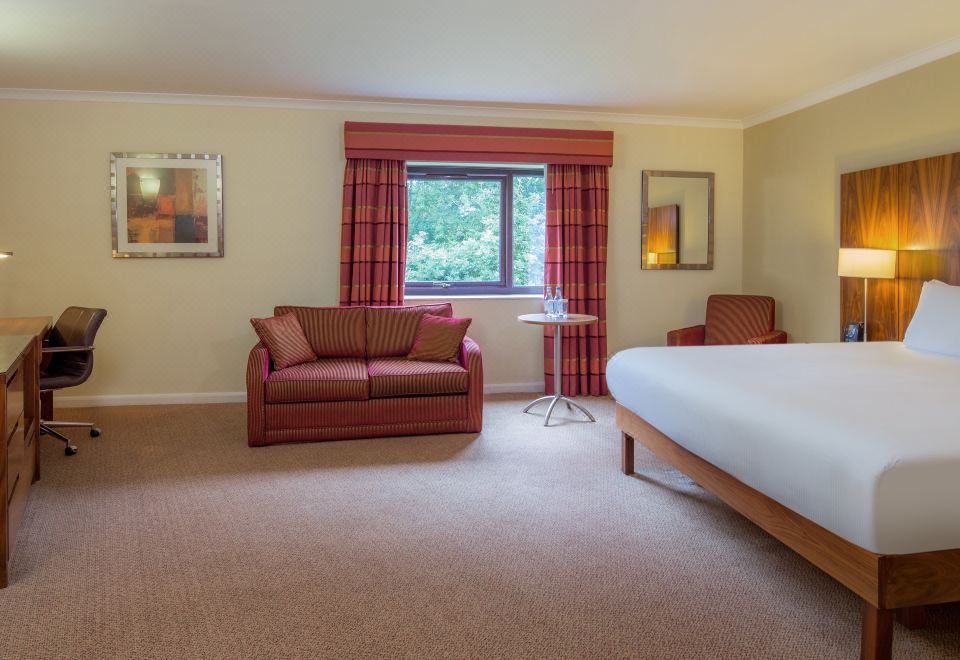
[{"x": 863, "y": 439}]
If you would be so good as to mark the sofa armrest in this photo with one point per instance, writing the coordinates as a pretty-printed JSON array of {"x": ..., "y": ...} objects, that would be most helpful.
[
  {"x": 692, "y": 336},
  {"x": 258, "y": 370},
  {"x": 775, "y": 337},
  {"x": 472, "y": 361}
]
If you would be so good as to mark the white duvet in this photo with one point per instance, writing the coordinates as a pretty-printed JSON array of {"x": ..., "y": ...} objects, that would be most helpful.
[{"x": 863, "y": 439}]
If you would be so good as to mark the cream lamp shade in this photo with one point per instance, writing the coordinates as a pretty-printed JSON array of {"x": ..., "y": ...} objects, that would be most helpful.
[{"x": 864, "y": 262}]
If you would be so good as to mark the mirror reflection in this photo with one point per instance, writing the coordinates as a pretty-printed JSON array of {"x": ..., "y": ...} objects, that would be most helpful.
[{"x": 677, "y": 220}]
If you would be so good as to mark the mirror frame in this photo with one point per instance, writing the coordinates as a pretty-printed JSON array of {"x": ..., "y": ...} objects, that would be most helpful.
[{"x": 644, "y": 189}]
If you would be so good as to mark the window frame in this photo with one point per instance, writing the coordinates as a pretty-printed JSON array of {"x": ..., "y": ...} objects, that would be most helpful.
[{"x": 478, "y": 172}]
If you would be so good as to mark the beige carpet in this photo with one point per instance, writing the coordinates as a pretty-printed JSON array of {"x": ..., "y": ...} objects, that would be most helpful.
[{"x": 169, "y": 537}]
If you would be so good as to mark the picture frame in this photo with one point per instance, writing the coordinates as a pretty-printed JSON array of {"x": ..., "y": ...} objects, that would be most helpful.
[{"x": 162, "y": 205}]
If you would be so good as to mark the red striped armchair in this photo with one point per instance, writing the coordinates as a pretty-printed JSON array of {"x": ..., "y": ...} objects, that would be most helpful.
[
  {"x": 362, "y": 385},
  {"x": 732, "y": 319}
]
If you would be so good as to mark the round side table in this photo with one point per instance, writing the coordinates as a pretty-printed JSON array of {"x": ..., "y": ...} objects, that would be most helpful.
[{"x": 558, "y": 324}]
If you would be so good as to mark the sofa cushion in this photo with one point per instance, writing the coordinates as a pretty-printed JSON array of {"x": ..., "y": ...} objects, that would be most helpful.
[
  {"x": 438, "y": 339},
  {"x": 327, "y": 379},
  {"x": 403, "y": 377},
  {"x": 391, "y": 330},
  {"x": 332, "y": 331},
  {"x": 285, "y": 341}
]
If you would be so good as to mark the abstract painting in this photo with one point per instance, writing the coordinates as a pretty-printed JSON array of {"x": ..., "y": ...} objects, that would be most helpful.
[{"x": 166, "y": 205}]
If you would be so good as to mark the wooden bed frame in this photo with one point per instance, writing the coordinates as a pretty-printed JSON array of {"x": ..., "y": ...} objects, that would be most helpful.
[{"x": 888, "y": 584}]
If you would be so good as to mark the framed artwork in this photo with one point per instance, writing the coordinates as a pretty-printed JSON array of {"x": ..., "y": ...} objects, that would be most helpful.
[{"x": 166, "y": 205}]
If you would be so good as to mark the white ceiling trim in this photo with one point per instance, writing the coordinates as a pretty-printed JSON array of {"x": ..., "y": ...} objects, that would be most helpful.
[
  {"x": 888, "y": 70},
  {"x": 365, "y": 106}
]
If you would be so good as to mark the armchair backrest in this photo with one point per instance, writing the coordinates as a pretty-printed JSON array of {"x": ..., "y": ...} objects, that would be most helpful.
[
  {"x": 735, "y": 319},
  {"x": 77, "y": 326}
]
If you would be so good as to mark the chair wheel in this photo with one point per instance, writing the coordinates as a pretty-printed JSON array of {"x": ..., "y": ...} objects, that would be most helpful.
[
  {"x": 70, "y": 451},
  {"x": 94, "y": 432}
]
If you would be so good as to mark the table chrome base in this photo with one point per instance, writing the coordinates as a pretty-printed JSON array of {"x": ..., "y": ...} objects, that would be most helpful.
[{"x": 554, "y": 400}]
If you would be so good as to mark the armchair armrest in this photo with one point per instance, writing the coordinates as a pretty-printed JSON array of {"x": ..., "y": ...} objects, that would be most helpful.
[
  {"x": 258, "y": 370},
  {"x": 775, "y": 337},
  {"x": 472, "y": 361},
  {"x": 692, "y": 336},
  {"x": 66, "y": 349}
]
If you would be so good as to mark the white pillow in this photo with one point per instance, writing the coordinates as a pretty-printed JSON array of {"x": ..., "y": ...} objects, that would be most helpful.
[{"x": 935, "y": 327}]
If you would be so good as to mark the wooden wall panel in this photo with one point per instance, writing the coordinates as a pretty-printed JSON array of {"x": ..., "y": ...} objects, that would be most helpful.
[
  {"x": 913, "y": 208},
  {"x": 663, "y": 233},
  {"x": 868, "y": 219},
  {"x": 929, "y": 228}
]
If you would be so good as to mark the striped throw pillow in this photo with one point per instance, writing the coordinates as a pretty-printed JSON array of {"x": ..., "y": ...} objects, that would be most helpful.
[
  {"x": 438, "y": 339},
  {"x": 283, "y": 336}
]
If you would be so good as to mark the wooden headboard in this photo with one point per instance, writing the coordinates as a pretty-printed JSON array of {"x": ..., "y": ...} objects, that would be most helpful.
[{"x": 913, "y": 208}]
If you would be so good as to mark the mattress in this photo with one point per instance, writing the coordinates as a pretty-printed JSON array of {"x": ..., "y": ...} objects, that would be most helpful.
[{"x": 861, "y": 438}]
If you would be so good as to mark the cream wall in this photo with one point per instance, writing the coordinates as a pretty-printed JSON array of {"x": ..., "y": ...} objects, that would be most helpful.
[
  {"x": 181, "y": 325},
  {"x": 792, "y": 169}
]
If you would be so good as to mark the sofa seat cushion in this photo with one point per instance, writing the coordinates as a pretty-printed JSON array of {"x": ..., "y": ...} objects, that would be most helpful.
[
  {"x": 327, "y": 379},
  {"x": 403, "y": 377}
]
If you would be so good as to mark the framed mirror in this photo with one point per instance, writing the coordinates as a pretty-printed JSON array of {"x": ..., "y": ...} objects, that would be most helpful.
[{"x": 676, "y": 223}]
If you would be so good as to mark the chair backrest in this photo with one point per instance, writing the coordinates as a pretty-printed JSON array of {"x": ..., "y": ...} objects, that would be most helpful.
[
  {"x": 735, "y": 319},
  {"x": 77, "y": 326}
]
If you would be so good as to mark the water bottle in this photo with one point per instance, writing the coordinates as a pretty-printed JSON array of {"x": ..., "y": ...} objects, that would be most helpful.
[
  {"x": 560, "y": 305},
  {"x": 548, "y": 302}
]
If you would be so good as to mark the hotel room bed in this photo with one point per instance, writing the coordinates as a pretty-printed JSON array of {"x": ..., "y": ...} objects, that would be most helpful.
[
  {"x": 862, "y": 438},
  {"x": 848, "y": 453}
]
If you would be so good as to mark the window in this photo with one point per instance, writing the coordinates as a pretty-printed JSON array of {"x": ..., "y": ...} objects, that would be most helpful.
[{"x": 475, "y": 229}]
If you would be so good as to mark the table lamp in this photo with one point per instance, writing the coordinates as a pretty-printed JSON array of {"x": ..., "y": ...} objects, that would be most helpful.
[{"x": 868, "y": 264}]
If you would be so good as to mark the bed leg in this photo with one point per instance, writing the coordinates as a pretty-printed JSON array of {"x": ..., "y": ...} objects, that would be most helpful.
[
  {"x": 876, "y": 641},
  {"x": 626, "y": 454},
  {"x": 911, "y": 617}
]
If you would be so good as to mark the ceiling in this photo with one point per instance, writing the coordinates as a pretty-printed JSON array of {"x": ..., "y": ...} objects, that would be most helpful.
[{"x": 731, "y": 59}]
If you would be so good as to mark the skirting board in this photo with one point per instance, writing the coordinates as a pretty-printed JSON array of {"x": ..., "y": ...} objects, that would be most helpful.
[{"x": 103, "y": 400}]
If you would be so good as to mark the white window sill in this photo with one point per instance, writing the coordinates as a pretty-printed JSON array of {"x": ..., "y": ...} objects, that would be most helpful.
[{"x": 478, "y": 296}]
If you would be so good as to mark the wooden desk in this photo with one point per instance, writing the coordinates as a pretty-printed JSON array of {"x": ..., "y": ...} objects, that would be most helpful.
[{"x": 20, "y": 343}]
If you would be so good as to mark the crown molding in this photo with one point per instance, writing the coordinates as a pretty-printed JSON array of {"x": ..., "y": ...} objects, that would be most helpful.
[
  {"x": 876, "y": 74},
  {"x": 882, "y": 72},
  {"x": 20, "y": 94}
]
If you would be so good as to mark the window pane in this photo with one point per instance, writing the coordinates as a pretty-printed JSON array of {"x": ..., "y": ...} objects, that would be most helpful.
[
  {"x": 529, "y": 229},
  {"x": 454, "y": 230}
]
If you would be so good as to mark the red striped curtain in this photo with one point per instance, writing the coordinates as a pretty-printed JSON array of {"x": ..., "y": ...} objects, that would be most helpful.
[
  {"x": 576, "y": 259},
  {"x": 373, "y": 234}
]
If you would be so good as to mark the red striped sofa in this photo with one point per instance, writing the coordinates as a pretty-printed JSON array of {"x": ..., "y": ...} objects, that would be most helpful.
[{"x": 362, "y": 385}]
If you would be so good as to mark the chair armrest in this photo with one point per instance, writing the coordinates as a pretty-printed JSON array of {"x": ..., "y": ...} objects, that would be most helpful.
[
  {"x": 775, "y": 337},
  {"x": 66, "y": 349},
  {"x": 258, "y": 364},
  {"x": 258, "y": 370},
  {"x": 472, "y": 361},
  {"x": 469, "y": 353},
  {"x": 692, "y": 336}
]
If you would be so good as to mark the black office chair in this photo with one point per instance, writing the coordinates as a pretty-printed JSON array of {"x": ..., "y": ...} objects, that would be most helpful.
[{"x": 68, "y": 362}]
